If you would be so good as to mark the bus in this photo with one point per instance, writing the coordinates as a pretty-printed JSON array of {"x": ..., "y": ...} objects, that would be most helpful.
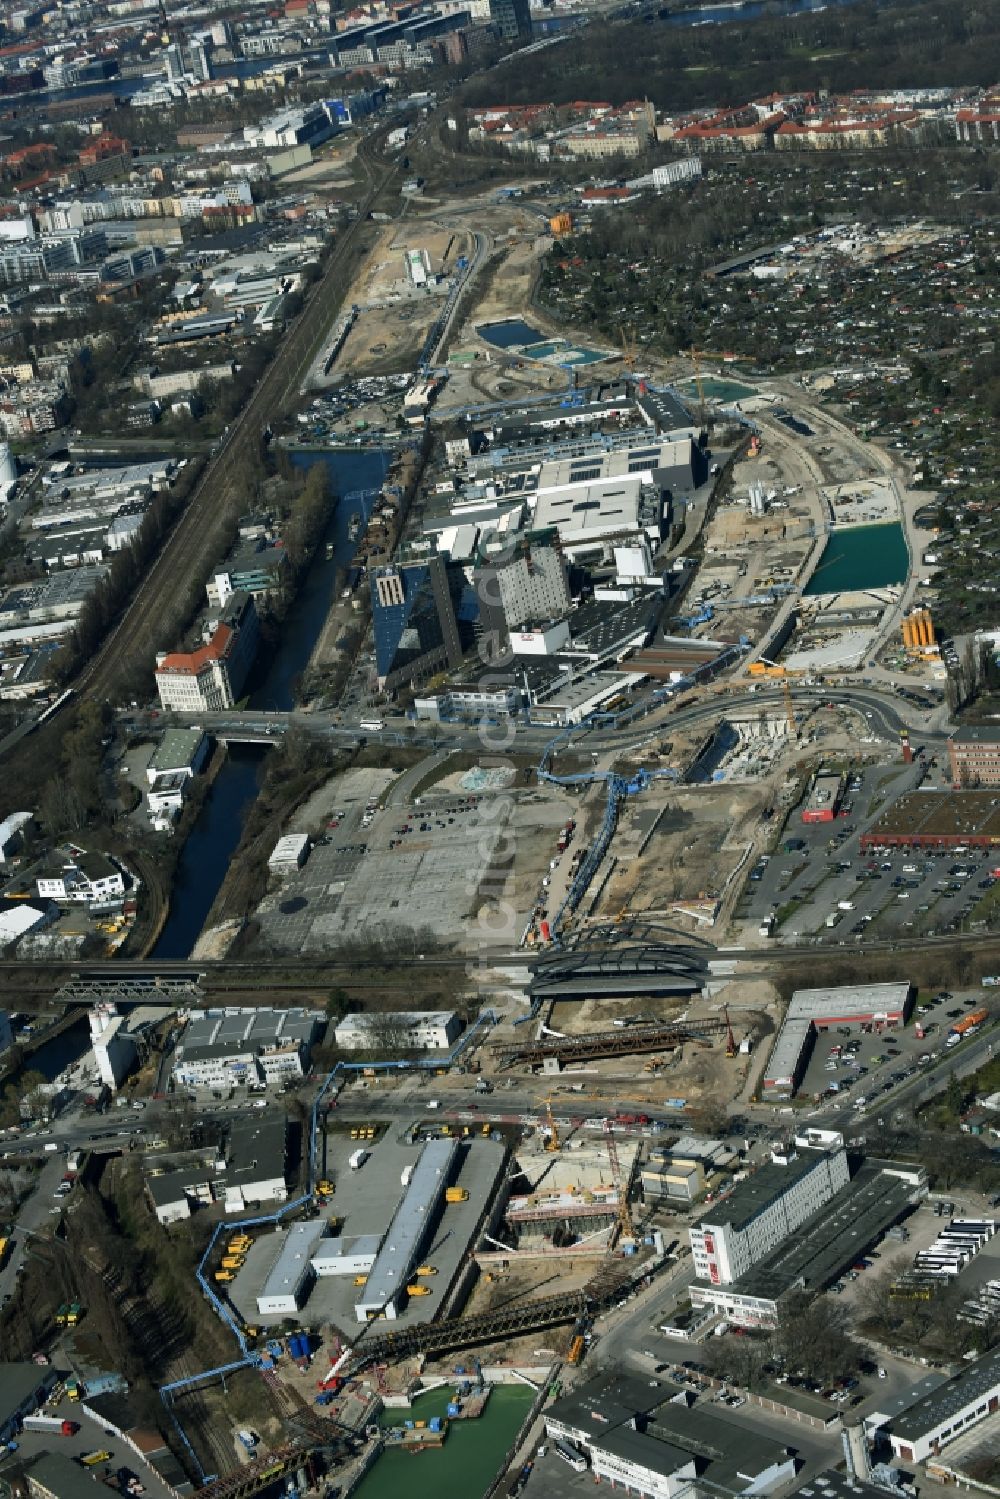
[
  {"x": 372, "y": 725},
  {"x": 569, "y": 1455}
]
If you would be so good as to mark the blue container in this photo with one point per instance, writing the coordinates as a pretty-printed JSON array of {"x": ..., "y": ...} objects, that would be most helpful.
[
  {"x": 409, "y": 1425},
  {"x": 434, "y": 1423},
  {"x": 453, "y": 1409},
  {"x": 629, "y": 1249}
]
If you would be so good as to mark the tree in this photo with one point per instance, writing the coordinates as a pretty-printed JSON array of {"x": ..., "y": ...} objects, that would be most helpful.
[{"x": 814, "y": 1335}]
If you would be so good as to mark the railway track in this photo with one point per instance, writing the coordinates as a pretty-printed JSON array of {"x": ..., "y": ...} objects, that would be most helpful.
[{"x": 200, "y": 531}]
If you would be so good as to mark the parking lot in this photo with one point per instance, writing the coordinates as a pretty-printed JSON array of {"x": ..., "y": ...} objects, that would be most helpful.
[
  {"x": 93, "y": 1436},
  {"x": 859, "y": 1067},
  {"x": 819, "y": 884}
]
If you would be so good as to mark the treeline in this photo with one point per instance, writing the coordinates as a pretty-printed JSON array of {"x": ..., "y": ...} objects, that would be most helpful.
[{"x": 862, "y": 45}]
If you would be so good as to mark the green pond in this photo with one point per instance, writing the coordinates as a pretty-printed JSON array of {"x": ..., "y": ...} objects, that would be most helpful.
[
  {"x": 861, "y": 557},
  {"x": 720, "y": 390},
  {"x": 467, "y": 1463}
]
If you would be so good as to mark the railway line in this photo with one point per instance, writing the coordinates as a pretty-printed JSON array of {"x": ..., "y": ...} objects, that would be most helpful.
[{"x": 199, "y": 532}]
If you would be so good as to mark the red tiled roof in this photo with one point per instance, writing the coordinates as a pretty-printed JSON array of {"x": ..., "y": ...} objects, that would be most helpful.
[{"x": 190, "y": 663}]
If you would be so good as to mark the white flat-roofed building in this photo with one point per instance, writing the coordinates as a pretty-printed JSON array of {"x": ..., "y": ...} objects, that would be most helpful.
[
  {"x": 290, "y": 853},
  {"x": 589, "y": 514},
  {"x": 179, "y": 752},
  {"x": 406, "y": 1235},
  {"x": 346, "y": 1256},
  {"x": 401, "y": 1030},
  {"x": 812, "y": 1010},
  {"x": 222, "y": 1048},
  {"x": 763, "y": 1211},
  {"x": 291, "y": 1276}
]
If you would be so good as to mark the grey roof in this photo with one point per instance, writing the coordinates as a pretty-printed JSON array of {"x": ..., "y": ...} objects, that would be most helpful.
[
  {"x": 967, "y": 1388},
  {"x": 256, "y": 1149},
  {"x": 291, "y": 1267},
  {"x": 218, "y": 1032},
  {"x": 768, "y": 1185},
  {"x": 61, "y": 1477},
  {"x": 727, "y": 1452},
  {"x": 607, "y": 1401},
  {"x": 833, "y": 1238},
  {"x": 166, "y": 1189},
  {"x": 405, "y": 1234},
  {"x": 976, "y": 734},
  {"x": 176, "y": 749},
  {"x": 645, "y": 1450},
  {"x": 830, "y": 1485},
  {"x": 19, "y": 1383}
]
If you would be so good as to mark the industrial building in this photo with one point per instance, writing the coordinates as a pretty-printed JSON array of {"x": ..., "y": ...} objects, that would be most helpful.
[
  {"x": 289, "y": 853},
  {"x": 399, "y": 1030},
  {"x": 821, "y": 1248},
  {"x": 227, "y": 1048},
  {"x": 291, "y": 1275},
  {"x": 947, "y": 819},
  {"x": 591, "y": 513},
  {"x": 385, "y": 1291},
  {"x": 810, "y": 1010},
  {"x": 637, "y": 1438},
  {"x": 181, "y": 752},
  {"x": 923, "y": 1427},
  {"x": 248, "y": 1173},
  {"x": 23, "y": 1388},
  {"x": 761, "y": 1212}
]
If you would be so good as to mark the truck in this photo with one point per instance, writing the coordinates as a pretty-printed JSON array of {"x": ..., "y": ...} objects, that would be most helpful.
[
  {"x": 54, "y": 1424},
  {"x": 834, "y": 917},
  {"x": 975, "y": 1018},
  {"x": 357, "y": 1159},
  {"x": 455, "y": 1194},
  {"x": 767, "y": 925},
  {"x": 483, "y": 1085},
  {"x": 233, "y": 1262}
]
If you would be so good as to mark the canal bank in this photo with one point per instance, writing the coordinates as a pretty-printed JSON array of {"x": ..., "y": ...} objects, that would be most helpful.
[{"x": 208, "y": 851}]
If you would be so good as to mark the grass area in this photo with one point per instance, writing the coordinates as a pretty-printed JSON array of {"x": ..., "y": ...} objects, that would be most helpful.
[{"x": 785, "y": 912}]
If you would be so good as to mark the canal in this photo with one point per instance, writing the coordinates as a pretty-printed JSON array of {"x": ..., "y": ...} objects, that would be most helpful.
[
  {"x": 54, "y": 1056},
  {"x": 209, "y": 847},
  {"x": 468, "y": 1462}
]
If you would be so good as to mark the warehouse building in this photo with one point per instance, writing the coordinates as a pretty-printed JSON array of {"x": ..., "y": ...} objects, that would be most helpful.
[
  {"x": 954, "y": 820},
  {"x": 399, "y": 1030},
  {"x": 346, "y": 1256},
  {"x": 248, "y": 1173},
  {"x": 590, "y": 513},
  {"x": 226, "y": 1048},
  {"x": 181, "y": 752},
  {"x": 291, "y": 1276},
  {"x": 934, "y": 1419},
  {"x": 407, "y": 1234},
  {"x": 874, "y": 1006},
  {"x": 761, "y": 1212}
]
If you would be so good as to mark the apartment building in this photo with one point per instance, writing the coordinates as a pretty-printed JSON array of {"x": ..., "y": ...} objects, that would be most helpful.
[{"x": 763, "y": 1211}]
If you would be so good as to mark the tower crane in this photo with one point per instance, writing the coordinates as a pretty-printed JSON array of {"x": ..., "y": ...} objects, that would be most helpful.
[
  {"x": 627, "y": 340},
  {"x": 552, "y": 1143},
  {"x": 696, "y": 365},
  {"x": 730, "y": 1038},
  {"x": 624, "y": 1227}
]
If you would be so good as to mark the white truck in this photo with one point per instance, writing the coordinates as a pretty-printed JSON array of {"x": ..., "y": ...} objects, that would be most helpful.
[{"x": 357, "y": 1159}]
